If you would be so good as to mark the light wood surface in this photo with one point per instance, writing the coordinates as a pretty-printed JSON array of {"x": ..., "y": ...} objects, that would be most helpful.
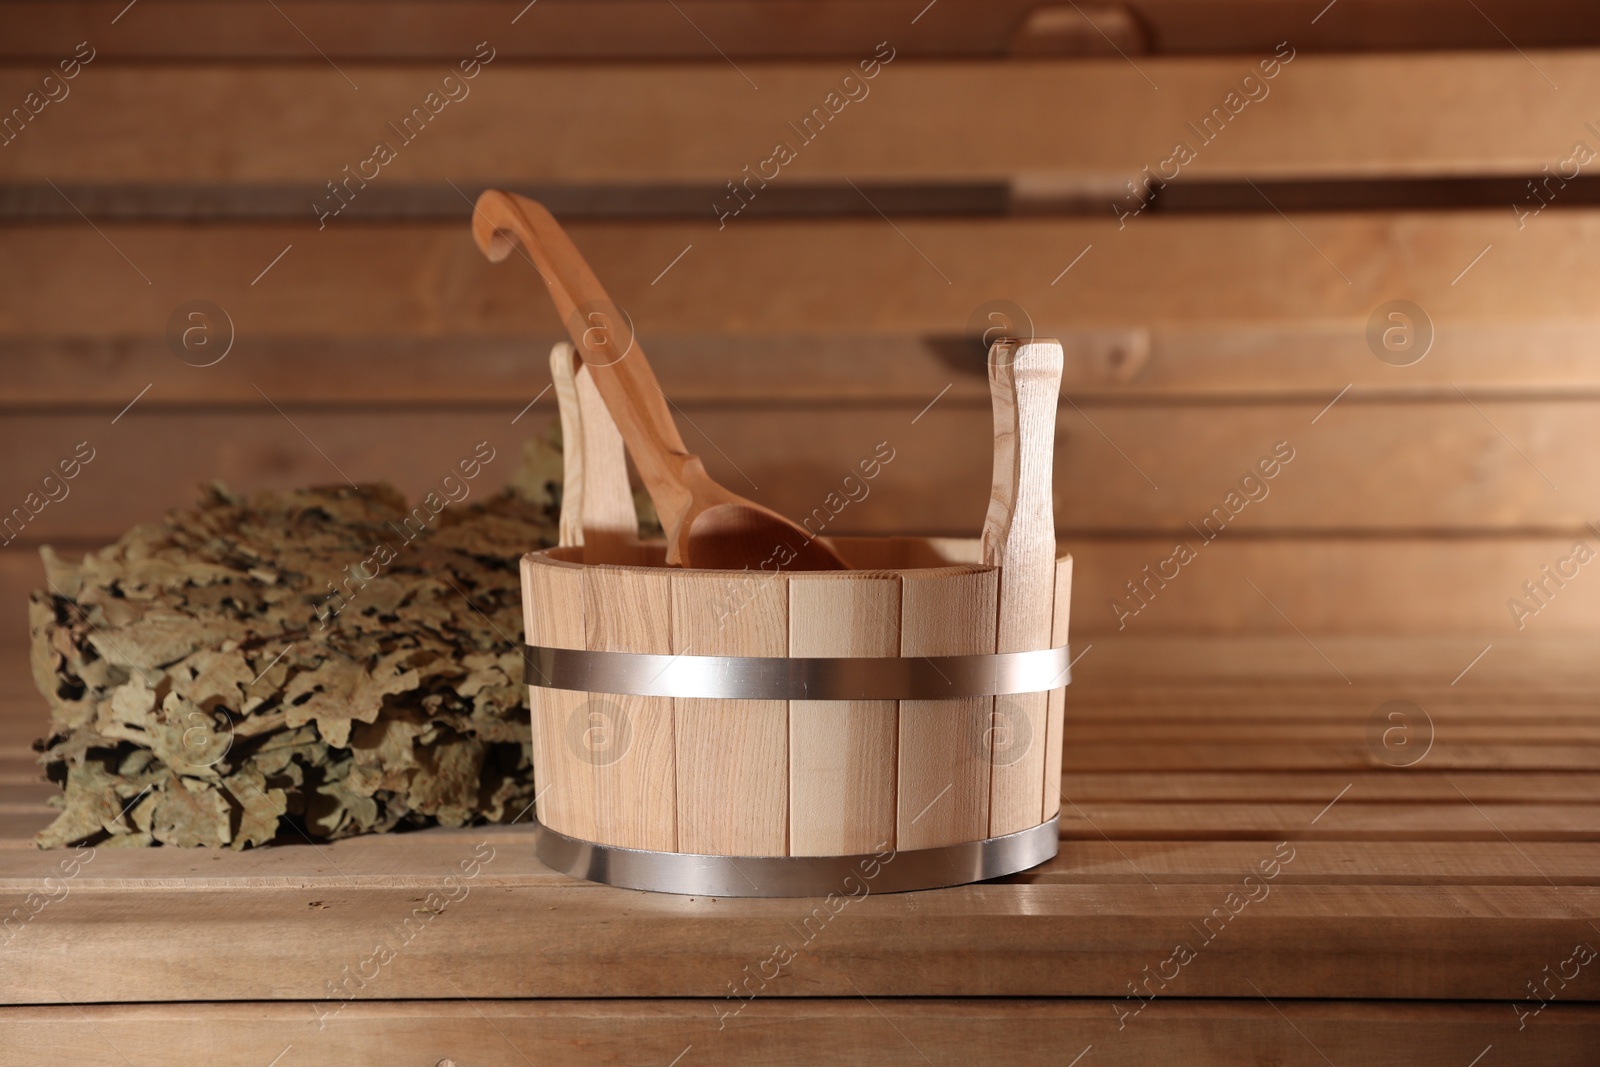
[
  {"x": 553, "y": 610},
  {"x": 943, "y": 751},
  {"x": 842, "y": 753},
  {"x": 88, "y": 364},
  {"x": 1405, "y": 469},
  {"x": 629, "y": 740},
  {"x": 1266, "y": 283},
  {"x": 597, "y": 509},
  {"x": 769, "y": 777},
  {"x": 794, "y": 1033},
  {"x": 1466, "y": 114},
  {"x": 732, "y": 757},
  {"x": 1434, "y": 881},
  {"x": 1056, "y": 707},
  {"x": 610, "y": 517},
  {"x": 1019, "y": 538},
  {"x": 563, "y": 380}
]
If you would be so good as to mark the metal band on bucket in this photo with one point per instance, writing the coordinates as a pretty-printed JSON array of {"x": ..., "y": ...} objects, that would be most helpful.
[
  {"x": 797, "y": 678},
  {"x": 889, "y": 871}
]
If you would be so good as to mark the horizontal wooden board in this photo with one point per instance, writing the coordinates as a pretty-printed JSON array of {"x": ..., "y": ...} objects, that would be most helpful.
[
  {"x": 1440, "y": 942},
  {"x": 1351, "y": 818},
  {"x": 1475, "y": 113},
  {"x": 1419, "y": 784},
  {"x": 556, "y": 30},
  {"x": 1387, "y": 666},
  {"x": 1202, "y": 277},
  {"x": 1320, "y": 862},
  {"x": 1355, "y": 755},
  {"x": 1310, "y": 362},
  {"x": 1172, "y": 475},
  {"x": 794, "y": 1033}
]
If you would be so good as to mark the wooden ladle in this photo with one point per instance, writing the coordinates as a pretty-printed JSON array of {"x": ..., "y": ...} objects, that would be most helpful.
[{"x": 707, "y": 525}]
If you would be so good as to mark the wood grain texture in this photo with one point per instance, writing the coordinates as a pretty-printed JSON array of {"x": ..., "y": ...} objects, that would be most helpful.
[
  {"x": 1056, "y": 707},
  {"x": 563, "y": 380},
  {"x": 732, "y": 756},
  {"x": 1403, "y": 469},
  {"x": 1321, "y": 115},
  {"x": 771, "y": 278},
  {"x": 842, "y": 753},
  {"x": 1019, "y": 538},
  {"x": 794, "y": 1033},
  {"x": 1407, "y": 871},
  {"x": 944, "y": 759},
  {"x": 80, "y": 364},
  {"x": 629, "y": 739},
  {"x": 762, "y": 29},
  {"x": 610, "y": 520},
  {"x": 553, "y": 609},
  {"x": 1478, "y": 942}
]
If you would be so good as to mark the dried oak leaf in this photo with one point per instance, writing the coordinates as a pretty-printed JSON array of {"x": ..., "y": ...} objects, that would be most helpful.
[{"x": 188, "y": 812}]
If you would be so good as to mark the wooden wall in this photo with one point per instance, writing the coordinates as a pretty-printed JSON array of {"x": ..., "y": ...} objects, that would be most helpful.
[{"x": 1387, "y": 159}]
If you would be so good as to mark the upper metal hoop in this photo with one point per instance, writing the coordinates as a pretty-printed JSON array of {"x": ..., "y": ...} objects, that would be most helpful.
[{"x": 798, "y": 678}]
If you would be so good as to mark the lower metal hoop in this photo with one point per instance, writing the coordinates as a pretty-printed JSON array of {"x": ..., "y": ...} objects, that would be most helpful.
[{"x": 887, "y": 871}]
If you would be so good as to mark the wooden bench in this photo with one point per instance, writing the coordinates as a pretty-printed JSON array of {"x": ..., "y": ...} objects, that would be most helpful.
[{"x": 1230, "y": 710}]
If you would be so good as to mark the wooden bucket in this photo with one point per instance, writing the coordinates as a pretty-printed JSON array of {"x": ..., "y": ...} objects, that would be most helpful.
[
  {"x": 793, "y": 733},
  {"x": 726, "y": 733}
]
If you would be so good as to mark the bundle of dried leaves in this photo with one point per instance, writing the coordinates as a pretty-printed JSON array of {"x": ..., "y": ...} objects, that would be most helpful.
[{"x": 294, "y": 664}]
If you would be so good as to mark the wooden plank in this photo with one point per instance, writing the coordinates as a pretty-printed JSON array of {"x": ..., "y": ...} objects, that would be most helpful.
[
  {"x": 1261, "y": 277},
  {"x": 1413, "y": 470},
  {"x": 1060, "y": 622},
  {"x": 556, "y": 30},
  {"x": 1500, "y": 787},
  {"x": 943, "y": 794},
  {"x": 1317, "y": 116},
  {"x": 755, "y": 29},
  {"x": 1351, "y": 818},
  {"x": 1275, "y": 707},
  {"x": 1156, "y": 755},
  {"x": 1436, "y": 942},
  {"x": 732, "y": 756},
  {"x": 1266, "y": 734},
  {"x": 1304, "y": 360},
  {"x": 419, "y": 861},
  {"x": 842, "y": 753},
  {"x": 630, "y": 738},
  {"x": 1322, "y": 862},
  {"x": 790, "y": 1033},
  {"x": 1550, "y": 664},
  {"x": 553, "y": 612}
]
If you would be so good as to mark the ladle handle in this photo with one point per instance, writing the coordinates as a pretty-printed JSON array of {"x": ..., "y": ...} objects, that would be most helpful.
[{"x": 603, "y": 337}]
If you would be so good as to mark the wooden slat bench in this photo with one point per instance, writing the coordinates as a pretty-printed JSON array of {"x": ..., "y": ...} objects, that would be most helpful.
[{"x": 1409, "y": 909}]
